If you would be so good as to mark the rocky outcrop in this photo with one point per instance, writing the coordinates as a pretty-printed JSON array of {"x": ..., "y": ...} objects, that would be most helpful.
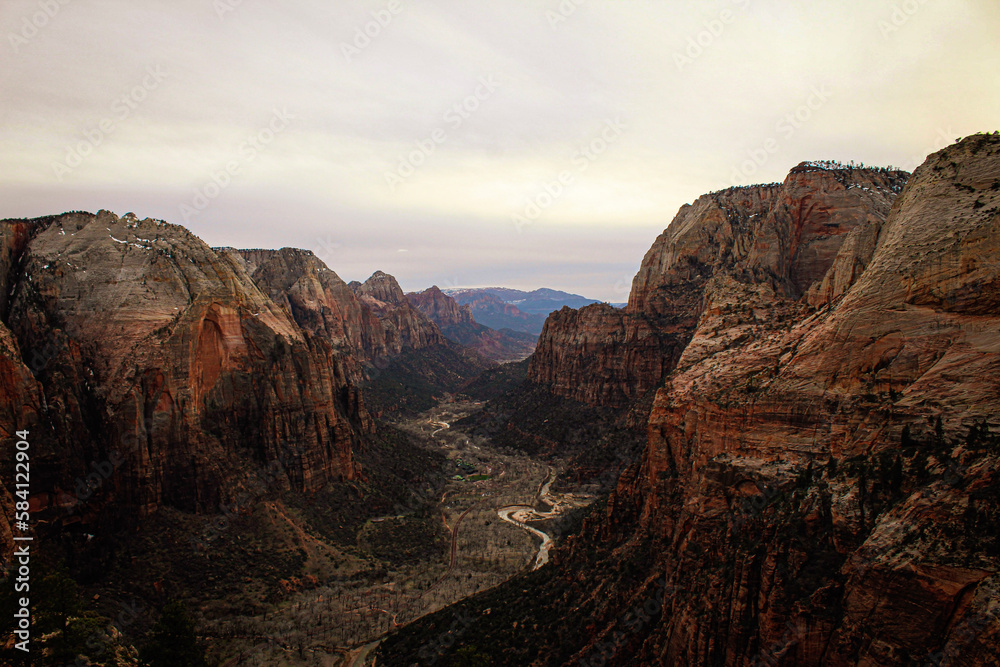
[
  {"x": 440, "y": 308},
  {"x": 768, "y": 397},
  {"x": 819, "y": 483},
  {"x": 601, "y": 355},
  {"x": 787, "y": 236},
  {"x": 405, "y": 326},
  {"x": 320, "y": 303},
  {"x": 457, "y": 324},
  {"x": 159, "y": 368}
]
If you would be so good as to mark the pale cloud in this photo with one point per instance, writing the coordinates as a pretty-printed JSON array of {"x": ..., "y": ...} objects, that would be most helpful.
[{"x": 900, "y": 76}]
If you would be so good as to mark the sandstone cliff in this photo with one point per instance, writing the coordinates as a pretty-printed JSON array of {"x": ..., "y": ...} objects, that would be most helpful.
[
  {"x": 155, "y": 365},
  {"x": 767, "y": 396},
  {"x": 440, "y": 308},
  {"x": 820, "y": 481},
  {"x": 457, "y": 324},
  {"x": 786, "y": 236},
  {"x": 405, "y": 326}
]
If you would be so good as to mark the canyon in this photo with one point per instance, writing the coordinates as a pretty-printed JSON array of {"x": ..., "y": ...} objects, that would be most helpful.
[
  {"x": 782, "y": 450},
  {"x": 818, "y": 484}
]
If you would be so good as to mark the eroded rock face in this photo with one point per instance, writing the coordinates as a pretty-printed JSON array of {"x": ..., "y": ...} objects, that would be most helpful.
[
  {"x": 787, "y": 236},
  {"x": 440, "y": 307},
  {"x": 457, "y": 324},
  {"x": 405, "y": 326},
  {"x": 166, "y": 367},
  {"x": 601, "y": 355},
  {"x": 320, "y": 303},
  {"x": 819, "y": 485},
  {"x": 771, "y": 400}
]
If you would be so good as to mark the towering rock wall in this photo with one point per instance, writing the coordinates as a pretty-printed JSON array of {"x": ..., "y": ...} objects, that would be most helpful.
[
  {"x": 133, "y": 349},
  {"x": 320, "y": 303},
  {"x": 405, "y": 326},
  {"x": 784, "y": 235},
  {"x": 819, "y": 485},
  {"x": 766, "y": 392}
]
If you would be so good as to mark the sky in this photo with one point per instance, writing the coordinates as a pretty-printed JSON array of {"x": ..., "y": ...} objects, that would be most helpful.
[{"x": 519, "y": 143}]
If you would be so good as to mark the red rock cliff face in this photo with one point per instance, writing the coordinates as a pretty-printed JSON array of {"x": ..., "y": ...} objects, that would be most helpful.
[
  {"x": 792, "y": 526},
  {"x": 164, "y": 358},
  {"x": 440, "y": 307},
  {"x": 784, "y": 235},
  {"x": 405, "y": 326},
  {"x": 457, "y": 324},
  {"x": 320, "y": 303}
]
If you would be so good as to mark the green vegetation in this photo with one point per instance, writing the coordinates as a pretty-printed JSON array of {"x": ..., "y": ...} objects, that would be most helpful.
[
  {"x": 64, "y": 623},
  {"x": 405, "y": 541},
  {"x": 414, "y": 380},
  {"x": 496, "y": 382},
  {"x": 533, "y": 421},
  {"x": 398, "y": 476},
  {"x": 173, "y": 642}
]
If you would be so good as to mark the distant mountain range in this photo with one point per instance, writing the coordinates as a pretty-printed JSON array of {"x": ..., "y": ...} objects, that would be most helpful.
[
  {"x": 505, "y": 308},
  {"x": 457, "y": 324}
]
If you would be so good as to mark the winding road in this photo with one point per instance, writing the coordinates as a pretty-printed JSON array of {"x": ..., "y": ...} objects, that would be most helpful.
[
  {"x": 362, "y": 655},
  {"x": 543, "y": 495}
]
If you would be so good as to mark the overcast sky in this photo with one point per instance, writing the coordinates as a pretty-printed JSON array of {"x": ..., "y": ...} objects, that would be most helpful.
[{"x": 524, "y": 143}]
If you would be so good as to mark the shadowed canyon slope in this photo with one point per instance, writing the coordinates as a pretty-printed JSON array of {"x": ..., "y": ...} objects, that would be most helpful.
[
  {"x": 147, "y": 349},
  {"x": 819, "y": 485},
  {"x": 168, "y": 373}
]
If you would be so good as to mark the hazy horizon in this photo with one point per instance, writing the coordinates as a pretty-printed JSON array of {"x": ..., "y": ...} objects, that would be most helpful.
[{"x": 537, "y": 144}]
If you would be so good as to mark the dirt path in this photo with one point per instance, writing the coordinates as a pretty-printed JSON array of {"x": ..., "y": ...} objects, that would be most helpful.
[
  {"x": 314, "y": 549},
  {"x": 357, "y": 657}
]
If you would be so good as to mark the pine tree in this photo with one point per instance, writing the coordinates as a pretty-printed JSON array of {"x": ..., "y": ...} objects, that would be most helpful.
[
  {"x": 173, "y": 642},
  {"x": 905, "y": 439},
  {"x": 59, "y": 602}
]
